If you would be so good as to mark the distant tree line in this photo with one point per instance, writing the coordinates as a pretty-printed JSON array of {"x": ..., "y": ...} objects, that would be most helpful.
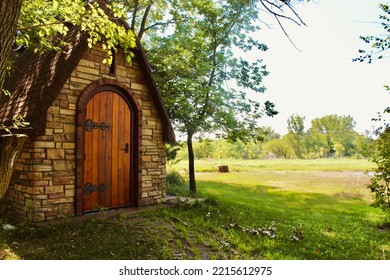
[{"x": 329, "y": 136}]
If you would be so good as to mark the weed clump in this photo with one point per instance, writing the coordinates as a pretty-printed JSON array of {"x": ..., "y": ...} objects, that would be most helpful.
[{"x": 177, "y": 185}]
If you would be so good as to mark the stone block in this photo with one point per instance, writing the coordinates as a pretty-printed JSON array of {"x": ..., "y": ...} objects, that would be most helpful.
[
  {"x": 154, "y": 172},
  {"x": 64, "y": 137},
  {"x": 141, "y": 87},
  {"x": 69, "y": 128},
  {"x": 147, "y": 132},
  {"x": 64, "y": 209},
  {"x": 39, "y": 183},
  {"x": 43, "y": 144},
  {"x": 70, "y": 193},
  {"x": 18, "y": 166},
  {"x": 155, "y": 193},
  {"x": 39, "y": 196},
  {"x": 25, "y": 155},
  {"x": 53, "y": 110},
  {"x": 86, "y": 77},
  {"x": 87, "y": 69},
  {"x": 70, "y": 119},
  {"x": 73, "y": 98},
  {"x": 64, "y": 104},
  {"x": 48, "y": 131},
  {"x": 36, "y": 190},
  {"x": 54, "y": 189},
  {"x": 33, "y": 203},
  {"x": 56, "y": 195},
  {"x": 59, "y": 165},
  {"x": 144, "y": 195},
  {"x": 70, "y": 157},
  {"x": 69, "y": 145},
  {"x": 53, "y": 125},
  {"x": 55, "y": 154},
  {"x": 86, "y": 63},
  {"x": 67, "y": 112},
  {"x": 41, "y": 168},
  {"x": 150, "y": 165},
  {"x": 77, "y": 85},
  {"x": 64, "y": 180},
  {"x": 61, "y": 97}
]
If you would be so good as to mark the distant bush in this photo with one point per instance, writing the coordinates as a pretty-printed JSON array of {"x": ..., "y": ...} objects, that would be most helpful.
[{"x": 380, "y": 182}]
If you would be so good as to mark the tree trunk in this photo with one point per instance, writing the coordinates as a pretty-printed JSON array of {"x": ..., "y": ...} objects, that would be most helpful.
[
  {"x": 191, "y": 165},
  {"x": 10, "y": 147},
  {"x": 9, "y": 16}
]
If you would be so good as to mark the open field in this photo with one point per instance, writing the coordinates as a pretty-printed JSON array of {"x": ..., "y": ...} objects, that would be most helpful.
[
  {"x": 257, "y": 214},
  {"x": 238, "y": 165}
]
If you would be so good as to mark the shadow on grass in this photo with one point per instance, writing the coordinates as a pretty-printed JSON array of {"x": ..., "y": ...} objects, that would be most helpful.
[
  {"x": 336, "y": 227},
  {"x": 333, "y": 227},
  {"x": 116, "y": 237}
]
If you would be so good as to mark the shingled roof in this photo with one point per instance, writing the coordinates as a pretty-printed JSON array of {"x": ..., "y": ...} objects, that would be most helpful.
[{"x": 38, "y": 78}]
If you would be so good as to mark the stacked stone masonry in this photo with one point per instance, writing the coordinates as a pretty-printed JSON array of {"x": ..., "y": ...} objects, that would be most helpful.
[{"x": 44, "y": 181}]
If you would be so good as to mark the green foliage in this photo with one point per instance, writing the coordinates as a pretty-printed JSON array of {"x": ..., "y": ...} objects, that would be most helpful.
[
  {"x": 380, "y": 182},
  {"x": 172, "y": 151},
  {"x": 295, "y": 137},
  {"x": 194, "y": 62},
  {"x": 279, "y": 148},
  {"x": 43, "y": 24},
  {"x": 176, "y": 184},
  {"x": 365, "y": 146},
  {"x": 336, "y": 130},
  {"x": 204, "y": 84},
  {"x": 380, "y": 44},
  {"x": 306, "y": 144},
  {"x": 17, "y": 123}
]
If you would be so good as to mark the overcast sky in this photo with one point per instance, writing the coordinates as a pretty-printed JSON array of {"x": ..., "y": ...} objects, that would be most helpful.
[{"x": 321, "y": 79}]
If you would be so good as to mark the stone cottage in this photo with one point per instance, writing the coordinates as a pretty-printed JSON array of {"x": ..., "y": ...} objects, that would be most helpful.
[{"x": 97, "y": 133}]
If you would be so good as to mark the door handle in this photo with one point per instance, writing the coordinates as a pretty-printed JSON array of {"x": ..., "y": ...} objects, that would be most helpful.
[{"x": 126, "y": 148}]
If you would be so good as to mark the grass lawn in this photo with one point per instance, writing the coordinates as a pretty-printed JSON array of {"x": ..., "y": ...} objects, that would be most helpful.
[
  {"x": 239, "y": 165},
  {"x": 257, "y": 213}
]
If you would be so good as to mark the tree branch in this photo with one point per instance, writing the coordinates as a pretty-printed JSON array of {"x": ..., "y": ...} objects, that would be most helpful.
[
  {"x": 132, "y": 26},
  {"x": 159, "y": 23},
  {"x": 278, "y": 16},
  {"x": 144, "y": 20}
]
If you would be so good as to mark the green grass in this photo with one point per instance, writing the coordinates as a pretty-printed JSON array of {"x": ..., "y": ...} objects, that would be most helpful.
[
  {"x": 329, "y": 212},
  {"x": 239, "y": 165},
  {"x": 338, "y": 222}
]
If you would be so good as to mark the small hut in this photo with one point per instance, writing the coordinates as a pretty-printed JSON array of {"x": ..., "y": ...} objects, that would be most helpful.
[{"x": 97, "y": 133}]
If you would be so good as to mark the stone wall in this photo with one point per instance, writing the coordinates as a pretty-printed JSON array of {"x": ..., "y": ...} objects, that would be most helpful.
[{"x": 43, "y": 184}]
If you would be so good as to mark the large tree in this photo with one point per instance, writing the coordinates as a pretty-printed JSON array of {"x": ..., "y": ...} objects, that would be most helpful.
[
  {"x": 296, "y": 134},
  {"x": 9, "y": 16},
  {"x": 191, "y": 49},
  {"x": 338, "y": 133}
]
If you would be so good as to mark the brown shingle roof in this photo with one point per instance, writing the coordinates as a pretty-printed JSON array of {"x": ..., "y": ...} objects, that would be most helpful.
[
  {"x": 38, "y": 78},
  {"x": 36, "y": 81}
]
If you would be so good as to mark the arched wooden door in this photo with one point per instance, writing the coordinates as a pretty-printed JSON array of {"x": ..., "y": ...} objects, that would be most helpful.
[{"x": 108, "y": 151}]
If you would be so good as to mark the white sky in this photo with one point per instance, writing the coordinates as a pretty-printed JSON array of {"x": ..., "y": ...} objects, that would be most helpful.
[{"x": 322, "y": 79}]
